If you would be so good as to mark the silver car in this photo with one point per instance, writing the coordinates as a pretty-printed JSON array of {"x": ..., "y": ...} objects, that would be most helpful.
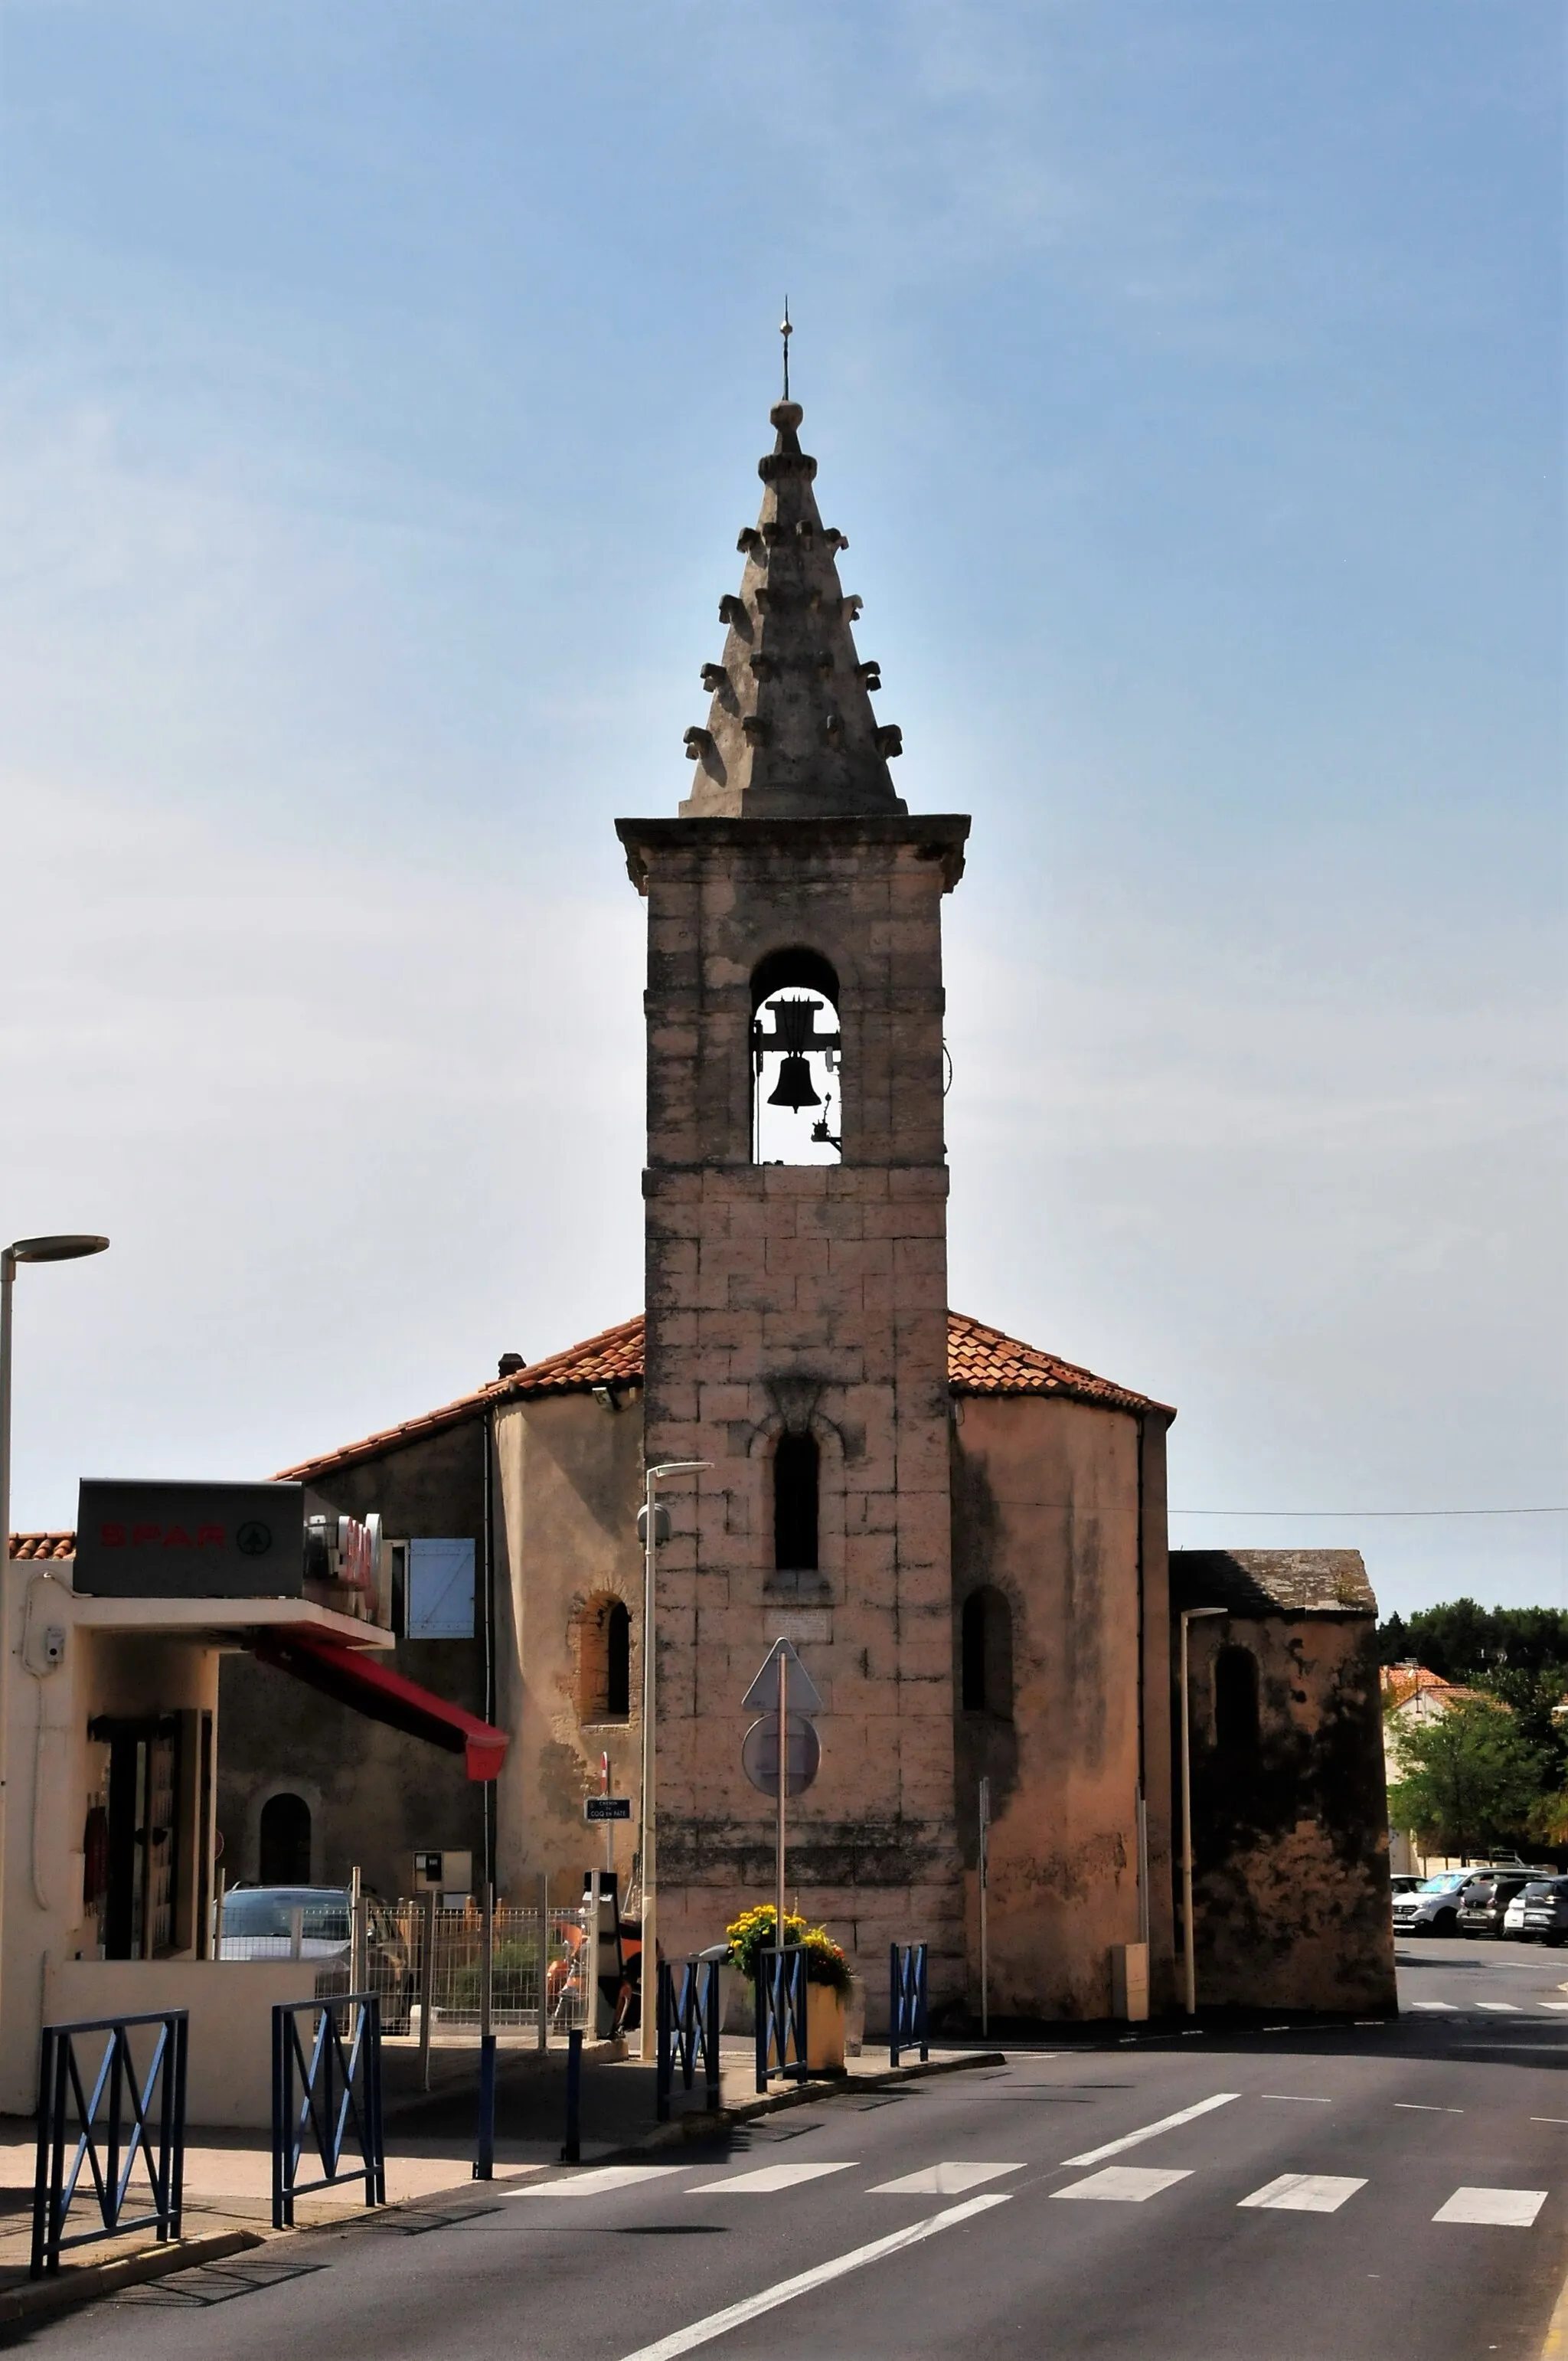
[{"x": 1433, "y": 1907}]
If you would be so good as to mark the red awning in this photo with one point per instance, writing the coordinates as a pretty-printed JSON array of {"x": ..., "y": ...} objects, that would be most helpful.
[{"x": 358, "y": 1679}]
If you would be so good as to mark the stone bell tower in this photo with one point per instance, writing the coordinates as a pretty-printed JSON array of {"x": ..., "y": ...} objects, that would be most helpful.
[{"x": 797, "y": 1267}]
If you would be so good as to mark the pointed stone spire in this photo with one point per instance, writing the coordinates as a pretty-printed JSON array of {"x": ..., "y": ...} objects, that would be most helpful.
[{"x": 790, "y": 734}]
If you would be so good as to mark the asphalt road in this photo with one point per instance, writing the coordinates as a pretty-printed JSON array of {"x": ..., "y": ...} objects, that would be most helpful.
[{"x": 1382, "y": 2192}]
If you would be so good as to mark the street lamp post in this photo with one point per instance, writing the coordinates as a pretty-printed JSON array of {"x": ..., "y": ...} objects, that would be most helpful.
[
  {"x": 1189, "y": 1614},
  {"x": 648, "y": 1835},
  {"x": 69, "y": 1247}
]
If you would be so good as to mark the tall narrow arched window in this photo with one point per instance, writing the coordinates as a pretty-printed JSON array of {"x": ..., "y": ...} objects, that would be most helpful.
[
  {"x": 985, "y": 1653},
  {"x": 1235, "y": 1701},
  {"x": 285, "y": 1842},
  {"x": 618, "y": 1662},
  {"x": 797, "y": 1108},
  {"x": 797, "y": 1466},
  {"x": 604, "y": 1660}
]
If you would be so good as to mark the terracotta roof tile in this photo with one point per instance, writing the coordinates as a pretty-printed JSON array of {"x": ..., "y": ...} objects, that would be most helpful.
[
  {"x": 43, "y": 1545},
  {"x": 980, "y": 1360}
]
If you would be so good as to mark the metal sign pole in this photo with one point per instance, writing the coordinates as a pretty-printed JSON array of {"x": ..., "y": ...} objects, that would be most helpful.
[
  {"x": 648, "y": 1971},
  {"x": 784, "y": 1765},
  {"x": 984, "y": 1883}
]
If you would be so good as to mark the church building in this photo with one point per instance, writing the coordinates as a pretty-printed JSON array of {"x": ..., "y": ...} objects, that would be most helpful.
[{"x": 963, "y": 1536}]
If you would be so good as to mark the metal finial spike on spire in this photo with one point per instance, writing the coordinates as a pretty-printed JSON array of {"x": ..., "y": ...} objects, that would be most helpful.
[{"x": 787, "y": 332}]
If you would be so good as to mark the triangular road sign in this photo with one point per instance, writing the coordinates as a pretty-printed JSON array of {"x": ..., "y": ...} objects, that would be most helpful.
[{"x": 762, "y": 1696}]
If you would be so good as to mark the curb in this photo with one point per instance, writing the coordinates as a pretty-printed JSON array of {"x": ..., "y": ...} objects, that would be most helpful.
[
  {"x": 699, "y": 2124},
  {"x": 86, "y": 2282},
  {"x": 1556, "y": 2346}
]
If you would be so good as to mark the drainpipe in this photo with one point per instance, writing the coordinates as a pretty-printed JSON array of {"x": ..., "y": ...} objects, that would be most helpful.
[{"x": 488, "y": 1621}]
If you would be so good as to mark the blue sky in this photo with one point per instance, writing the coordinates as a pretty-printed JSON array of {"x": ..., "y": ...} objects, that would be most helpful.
[{"x": 382, "y": 390}]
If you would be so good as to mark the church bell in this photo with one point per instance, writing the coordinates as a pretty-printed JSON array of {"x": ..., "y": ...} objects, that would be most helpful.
[
  {"x": 793, "y": 1088},
  {"x": 795, "y": 1023}
]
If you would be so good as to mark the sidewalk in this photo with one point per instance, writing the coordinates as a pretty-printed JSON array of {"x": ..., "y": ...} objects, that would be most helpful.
[{"x": 429, "y": 2150}]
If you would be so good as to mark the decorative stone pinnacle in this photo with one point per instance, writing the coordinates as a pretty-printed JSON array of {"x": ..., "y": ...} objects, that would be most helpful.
[{"x": 790, "y": 733}]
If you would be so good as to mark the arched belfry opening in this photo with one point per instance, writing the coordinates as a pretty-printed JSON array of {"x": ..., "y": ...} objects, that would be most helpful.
[{"x": 797, "y": 1106}]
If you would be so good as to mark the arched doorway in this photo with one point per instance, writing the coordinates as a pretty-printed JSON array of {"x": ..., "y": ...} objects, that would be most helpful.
[{"x": 285, "y": 1845}]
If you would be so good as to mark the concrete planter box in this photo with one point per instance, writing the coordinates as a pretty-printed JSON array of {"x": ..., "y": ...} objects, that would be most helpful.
[{"x": 825, "y": 2020}]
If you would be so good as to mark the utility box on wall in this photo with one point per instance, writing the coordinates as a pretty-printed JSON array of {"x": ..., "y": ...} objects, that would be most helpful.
[
  {"x": 449, "y": 1874},
  {"x": 1130, "y": 1982}
]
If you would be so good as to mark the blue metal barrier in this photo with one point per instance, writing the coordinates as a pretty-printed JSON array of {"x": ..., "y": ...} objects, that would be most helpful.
[
  {"x": 109, "y": 2149},
  {"x": 339, "y": 2091},
  {"x": 907, "y": 2017},
  {"x": 689, "y": 2029},
  {"x": 781, "y": 2014}
]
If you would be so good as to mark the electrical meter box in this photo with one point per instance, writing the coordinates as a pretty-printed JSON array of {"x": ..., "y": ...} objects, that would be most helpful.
[{"x": 450, "y": 1874}]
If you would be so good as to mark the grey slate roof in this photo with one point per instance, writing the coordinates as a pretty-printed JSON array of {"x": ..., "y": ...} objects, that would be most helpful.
[{"x": 1272, "y": 1581}]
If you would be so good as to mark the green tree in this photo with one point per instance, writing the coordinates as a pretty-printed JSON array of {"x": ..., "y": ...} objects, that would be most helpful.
[
  {"x": 1461, "y": 1640},
  {"x": 1469, "y": 1778}
]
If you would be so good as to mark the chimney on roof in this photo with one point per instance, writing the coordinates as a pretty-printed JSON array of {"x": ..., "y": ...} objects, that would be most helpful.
[{"x": 510, "y": 1363}]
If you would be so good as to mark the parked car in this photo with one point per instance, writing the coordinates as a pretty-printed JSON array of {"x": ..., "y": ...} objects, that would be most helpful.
[
  {"x": 1483, "y": 1905},
  {"x": 1543, "y": 1911},
  {"x": 258, "y": 1924},
  {"x": 1433, "y": 1907},
  {"x": 1405, "y": 1881}
]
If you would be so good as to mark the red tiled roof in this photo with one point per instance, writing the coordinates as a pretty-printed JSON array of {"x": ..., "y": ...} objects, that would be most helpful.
[
  {"x": 980, "y": 1360},
  {"x": 43, "y": 1545}
]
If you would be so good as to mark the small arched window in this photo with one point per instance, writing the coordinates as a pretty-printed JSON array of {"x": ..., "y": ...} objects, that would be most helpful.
[
  {"x": 797, "y": 1468},
  {"x": 285, "y": 1846},
  {"x": 618, "y": 1662},
  {"x": 604, "y": 1660},
  {"x": 797, "y": 1109},
  {"x": 985, "y": 1653},
  {"x": 1235, "y": 1701}
]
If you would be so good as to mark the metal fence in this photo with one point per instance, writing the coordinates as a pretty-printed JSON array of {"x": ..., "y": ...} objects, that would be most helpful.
[
  {"x": 114, "y": 2117},
  {"x": 326, "y": 2088},
  {"x": 426, "y": 1965},
  {"x": 908, "y": 2006}
]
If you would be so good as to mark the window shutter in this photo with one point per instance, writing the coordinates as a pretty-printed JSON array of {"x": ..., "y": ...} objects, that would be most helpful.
[{"x": 441, "y": 1591}]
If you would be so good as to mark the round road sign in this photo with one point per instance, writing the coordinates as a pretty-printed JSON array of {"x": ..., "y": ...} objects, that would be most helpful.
[{"x": 803, "y": 1754}]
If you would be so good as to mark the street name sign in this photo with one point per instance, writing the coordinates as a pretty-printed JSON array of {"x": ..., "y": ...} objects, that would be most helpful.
[{"x": 606, "y": 1808}]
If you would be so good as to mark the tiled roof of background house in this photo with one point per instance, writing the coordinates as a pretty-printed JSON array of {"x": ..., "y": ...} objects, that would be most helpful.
[
  {"x": 1402, "y": 1684},
  {"x": 43, "y": 1545},
  {"x": 980, "y": 1360},
  {"x": 1272, "y": 1582}
]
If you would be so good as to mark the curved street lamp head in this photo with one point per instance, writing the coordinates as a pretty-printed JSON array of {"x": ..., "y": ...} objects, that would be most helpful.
[
  {"x": 675, "y": 1466},
  {"x": 69, "y": 1247}
]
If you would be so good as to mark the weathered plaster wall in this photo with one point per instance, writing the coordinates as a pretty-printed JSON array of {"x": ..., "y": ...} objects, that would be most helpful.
[
  {"x": 815, "y": 1293},
  {"x": 1047, "y": 1511},
  {"x": 375, "y": 1797},
  {"x": 1290, "y": 1846},
  {"x": 570, "y": 1484}
]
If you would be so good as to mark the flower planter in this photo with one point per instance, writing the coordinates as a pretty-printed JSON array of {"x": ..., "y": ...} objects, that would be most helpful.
[{"x": 824, "y": 2029}]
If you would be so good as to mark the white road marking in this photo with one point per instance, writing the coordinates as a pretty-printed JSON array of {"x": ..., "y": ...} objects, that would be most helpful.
[
  {"x": 719, "y": 2323},
  {"x": 1297, "y": 2098},
  {"x": 1124, "y": 2184},
  {"x": 1151, "y": 2131},
  {"x": 942, "y": 2179},
  {"x": 1552, "y": 2004},
  {"x": 600, "y": 2178},
  {"x": 1549, "y": 2119},
  {"x": 600, "y": 2181},
  {"x": 1499, "y": 2007},
  {"x": 1303, "y": 2192},
  {"x": 1434, "y": 2004},
  {"x": 764, "y": 2179},
  {"x": 1424, "y": 2107},
  {"x": 1512, "y": 2209}
]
